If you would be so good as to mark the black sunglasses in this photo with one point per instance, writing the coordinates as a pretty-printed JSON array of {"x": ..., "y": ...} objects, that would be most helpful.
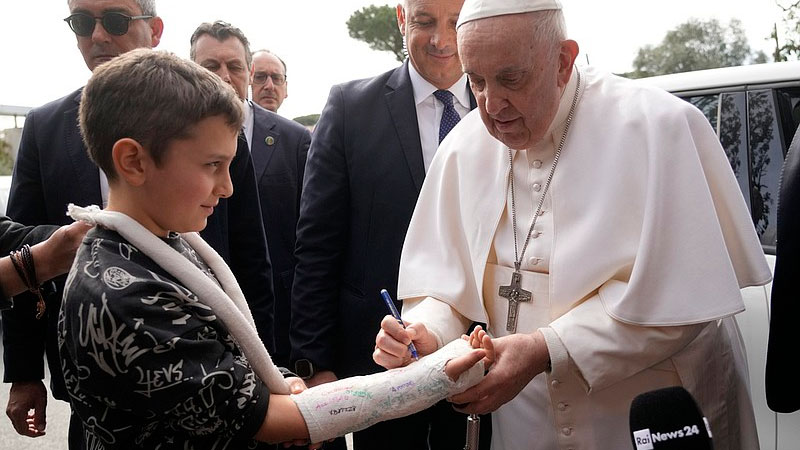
[{"x": 114, "y": 23}]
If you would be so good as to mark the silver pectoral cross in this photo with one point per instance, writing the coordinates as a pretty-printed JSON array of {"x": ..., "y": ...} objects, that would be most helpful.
[{"x": 515, "y": 294}]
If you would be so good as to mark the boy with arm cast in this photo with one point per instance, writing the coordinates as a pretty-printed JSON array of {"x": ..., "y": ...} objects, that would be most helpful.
[{"x": 157, "y": 344}]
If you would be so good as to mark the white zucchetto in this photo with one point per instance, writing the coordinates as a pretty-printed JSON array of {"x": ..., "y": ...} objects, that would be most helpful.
[{"x": 481, "y": 9}]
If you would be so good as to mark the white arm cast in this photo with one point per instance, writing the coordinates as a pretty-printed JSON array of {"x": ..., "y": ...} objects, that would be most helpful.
[{"x": 352, "y": 404}]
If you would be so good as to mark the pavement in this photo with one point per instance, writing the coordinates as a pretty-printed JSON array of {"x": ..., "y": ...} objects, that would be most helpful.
[{"x": 57, "y": 423}]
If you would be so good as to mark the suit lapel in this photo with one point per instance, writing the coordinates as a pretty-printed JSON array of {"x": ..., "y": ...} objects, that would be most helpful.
[
  {"x": 266, "y": 139},
  {"x": 87, "y": 175},
  {"x": 400, "y": 100}
]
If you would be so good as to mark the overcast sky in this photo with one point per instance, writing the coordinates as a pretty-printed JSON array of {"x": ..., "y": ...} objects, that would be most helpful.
[{"x": 39, "y": 60}]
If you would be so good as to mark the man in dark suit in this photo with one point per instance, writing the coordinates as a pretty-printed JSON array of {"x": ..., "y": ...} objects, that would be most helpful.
[
  {"x": 53, "y": 169},
  {"x": 371, "y": 148},
  {"x": 783, "y": 393},
  {"x": 278, "y": 146}
]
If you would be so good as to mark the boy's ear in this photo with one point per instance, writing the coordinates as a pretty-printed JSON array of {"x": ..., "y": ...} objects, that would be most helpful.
[{"x": 131, "y": 161}]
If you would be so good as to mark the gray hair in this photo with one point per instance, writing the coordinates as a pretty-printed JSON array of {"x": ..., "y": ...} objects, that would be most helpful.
[
  {"x": 221, "y": 31},
  {"x": 263, "y": 50},
  {"x": 148, "y": 7}
]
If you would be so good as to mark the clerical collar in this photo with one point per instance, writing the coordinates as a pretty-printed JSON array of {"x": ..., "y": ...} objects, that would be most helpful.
[
  {"x": 423, "y": 89},
  {"x": 249, "y": 120},
  {"x": 564, "y": 104}
]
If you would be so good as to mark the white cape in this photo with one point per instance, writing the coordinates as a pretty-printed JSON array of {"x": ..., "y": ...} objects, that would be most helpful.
[{"x": 646, "y": 212}]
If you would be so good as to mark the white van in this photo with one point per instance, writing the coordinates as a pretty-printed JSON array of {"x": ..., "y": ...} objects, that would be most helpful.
[{"x": 755, "y": 111}]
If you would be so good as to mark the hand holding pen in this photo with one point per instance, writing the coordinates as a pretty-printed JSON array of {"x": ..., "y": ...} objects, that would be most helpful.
[{"x": 396, "y": 314}]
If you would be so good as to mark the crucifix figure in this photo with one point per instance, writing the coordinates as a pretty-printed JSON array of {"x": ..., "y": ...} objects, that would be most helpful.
[{"x": 515, "y": 294}]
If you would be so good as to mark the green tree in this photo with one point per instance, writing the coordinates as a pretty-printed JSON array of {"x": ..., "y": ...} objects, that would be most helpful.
[
  {"x": 308, "y": 120},
  {"x": 377, "y": 26},
  {"x": 696, "y": 45},
  {"x": 791, "y": 40}
]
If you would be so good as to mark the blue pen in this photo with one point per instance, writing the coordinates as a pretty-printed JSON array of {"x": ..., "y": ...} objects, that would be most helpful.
[{"x": 396, "y": 314}]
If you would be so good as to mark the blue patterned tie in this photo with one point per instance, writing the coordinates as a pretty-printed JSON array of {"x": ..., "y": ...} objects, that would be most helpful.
[{"x": 449, "y": 117}]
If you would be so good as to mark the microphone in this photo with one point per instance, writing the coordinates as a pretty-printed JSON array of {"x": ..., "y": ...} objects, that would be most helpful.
[{"x": 668, "y": 418}]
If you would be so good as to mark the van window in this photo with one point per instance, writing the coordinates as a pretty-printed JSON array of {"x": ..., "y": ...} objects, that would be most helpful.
[
  {"x": 727, "y": 114},
  {"x": 766, "y": 159},
  {"x": 733, "y": 137},
  {"x": 789, "y": 108},
  {"x": 709, "y": 105}
]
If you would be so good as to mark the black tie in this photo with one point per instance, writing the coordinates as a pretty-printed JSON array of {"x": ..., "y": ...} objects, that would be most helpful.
[{"x": 449, "y": 117}]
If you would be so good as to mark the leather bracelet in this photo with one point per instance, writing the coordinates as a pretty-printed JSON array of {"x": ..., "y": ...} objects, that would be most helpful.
[{"x": 22, "y": 260}]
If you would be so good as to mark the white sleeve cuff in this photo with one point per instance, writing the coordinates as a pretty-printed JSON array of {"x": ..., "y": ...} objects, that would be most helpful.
[{"x": 439, "y": 318}]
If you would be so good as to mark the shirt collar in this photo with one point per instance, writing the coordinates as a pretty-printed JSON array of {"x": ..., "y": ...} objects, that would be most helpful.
[
  {"x": 423, "y": 89},
  {"x": 564, "y": 105},
  {"x": 248, "y": 114},
  {"x": 249, "y": 122}
]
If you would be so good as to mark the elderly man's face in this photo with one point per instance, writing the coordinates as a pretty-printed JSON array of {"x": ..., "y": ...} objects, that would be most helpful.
[
  {"x": 516, "y": 84},
  {"x": 102, "y": 46},
  {"x": 227, "y": 59},
  {"x": 429, "y": 27},
  {"x": 268, "y": 94}
]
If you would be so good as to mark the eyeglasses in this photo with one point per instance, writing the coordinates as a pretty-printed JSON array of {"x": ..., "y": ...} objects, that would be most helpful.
[
  {"x": 114, "y": 23},
  {"x": 261, "y": 78}
]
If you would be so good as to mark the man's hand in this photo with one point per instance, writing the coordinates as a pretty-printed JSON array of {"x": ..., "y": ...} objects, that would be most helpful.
[
  {"x": 518, "y": 358},
  {"x": 391, "y": 343},
  {"x": 22, "y": 398},
  {"x": 321, "y": 377},
  {"x": 54, "y": 256}
]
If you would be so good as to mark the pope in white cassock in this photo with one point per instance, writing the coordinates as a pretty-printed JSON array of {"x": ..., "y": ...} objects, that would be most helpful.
[{"x": 596, "y": 226}]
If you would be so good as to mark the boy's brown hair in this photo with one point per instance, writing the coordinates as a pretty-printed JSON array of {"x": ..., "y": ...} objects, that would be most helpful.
[{"x": 153, "y": 97}]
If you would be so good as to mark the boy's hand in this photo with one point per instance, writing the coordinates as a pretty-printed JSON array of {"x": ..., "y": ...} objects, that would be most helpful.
[{"x": 479, "y": 338}]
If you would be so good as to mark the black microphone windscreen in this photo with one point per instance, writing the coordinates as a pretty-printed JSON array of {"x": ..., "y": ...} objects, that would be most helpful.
[{"x": 668, "y": 418}]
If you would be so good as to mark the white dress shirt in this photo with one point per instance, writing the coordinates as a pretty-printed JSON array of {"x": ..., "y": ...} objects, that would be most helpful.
[
  {"x": 249, "y": 119},
  {"x": 429, "y": 110}
]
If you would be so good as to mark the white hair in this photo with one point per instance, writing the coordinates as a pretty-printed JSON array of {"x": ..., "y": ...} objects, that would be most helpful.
[{"x": 549, "y": 30}]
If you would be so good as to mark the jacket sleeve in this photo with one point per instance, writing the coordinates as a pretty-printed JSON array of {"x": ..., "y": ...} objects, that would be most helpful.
[
  {"x": 322, "y": 231},
  {"x": 24, "y": 337},
  {"x": 12, "y": 236},
  {"x": 783, "y": 394}
]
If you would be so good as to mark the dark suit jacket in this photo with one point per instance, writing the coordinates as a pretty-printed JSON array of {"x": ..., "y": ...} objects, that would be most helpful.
[
  {"x": 363, "y": 176},
  {"x": 279, "y": 154},
  {"x": 54, "y": 169},
  {"x": 783, "y": 391}
]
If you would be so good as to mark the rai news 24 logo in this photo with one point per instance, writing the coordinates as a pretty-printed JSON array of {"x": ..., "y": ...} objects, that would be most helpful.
[{"x": 645, "y": 440}]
